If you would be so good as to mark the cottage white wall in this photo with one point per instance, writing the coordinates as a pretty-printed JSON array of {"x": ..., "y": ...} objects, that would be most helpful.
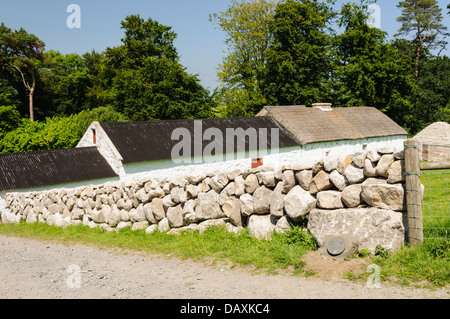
[
  {"x": 104, "y": 146},
  {"x": 242, "y": 162},
  {"x": 304, "y": 156}
]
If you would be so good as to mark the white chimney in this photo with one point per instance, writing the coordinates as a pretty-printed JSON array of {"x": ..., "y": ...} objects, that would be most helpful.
[{"x": 323, "y": 106}]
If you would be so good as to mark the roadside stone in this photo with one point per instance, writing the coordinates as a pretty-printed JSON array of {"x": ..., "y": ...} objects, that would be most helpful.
[
  {"x": 378, "y": 193},
  {"x": 354, "y": 174},
  {"x": 368, "y": 227},
  {"x": 358, "y": 159},
  {"x": 370, "y": 168},
  {"x": 329, "y": 200},
  {"x": 288, "y": 180},
  {"x": 232, "y": 210},
  {"x": 282, "y": 224},
  {"x": 139, "y": 225},
  {"x": 158, "y": 209},
  {"x": 208, "y": 206},
  {"x": 246, "y": 204},
  {"x": 351, "y": 195},
  {"x": 178, "y": 195},
  {"x": 167, "y": 202},
  {"x": 373, "y": 156},
  {"x": 163, "y": 225},
  {"x": 396, "y": 173},
  {"x": 203, "y": 226},
  {"x": 175, "y": 216},
  {"x": 251, "y": 183},
  {"x": 192, "y": 191},
  {"x": 142, "y": 196},
  {"x": 298, "y": 202},
  {"x": 123, "y": 225},
  {"x": 304, "y": 178},
  {"x": 149, "y": 213},
  {"x": 55, "y": 209},
  {"x": 261, "y": 200},
  {"x": 151, "y": 229},
  {"x": 338, "y": 180},
  {"x": 320, "y": 182},
  {"x": 218, "y": 182},
  {"x": 239, "y": 188},
  {"x": 114, "y": 217},
  {"x": 229, "y": 190},
  {"x": 261, "y": 226},
  {"x": 276, "y": 201},
  {"x": 267, "y": 178},
  {"x": 383, "y": 164}
]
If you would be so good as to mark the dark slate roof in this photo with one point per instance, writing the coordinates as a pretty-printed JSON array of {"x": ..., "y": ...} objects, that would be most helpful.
[
  {"x": 53, "y": 167},
  {"x": 151, "y": 140}
]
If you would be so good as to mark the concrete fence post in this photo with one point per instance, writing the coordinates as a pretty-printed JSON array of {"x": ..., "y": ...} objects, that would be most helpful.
[{"x": 413, "y": 192}]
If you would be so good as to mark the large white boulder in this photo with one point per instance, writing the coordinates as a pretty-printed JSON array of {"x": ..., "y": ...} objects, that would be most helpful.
[{"x": 368, "y": 227}]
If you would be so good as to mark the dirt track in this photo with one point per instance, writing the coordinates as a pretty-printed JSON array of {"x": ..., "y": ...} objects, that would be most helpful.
[{"x": 42, "y": 269}]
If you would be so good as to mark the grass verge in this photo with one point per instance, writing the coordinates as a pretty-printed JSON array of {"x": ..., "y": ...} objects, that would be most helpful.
[
  {"x": 427, "y": 265},
  {"x": 284, "y": 251}
]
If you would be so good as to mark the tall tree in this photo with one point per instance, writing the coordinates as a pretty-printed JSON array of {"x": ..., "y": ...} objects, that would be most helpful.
[
  {"x": 298, "y": 63},
  {"x": 144, "y": 78},
  {"x": 22, "y": 52},
  {"x": 246, "y": 25},
  {"x": 423, "y": 19},
  {"x": 368, "y": 70}
]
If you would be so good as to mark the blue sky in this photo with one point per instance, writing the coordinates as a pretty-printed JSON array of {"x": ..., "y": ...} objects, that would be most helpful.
[{"x": 199, "y": 43}]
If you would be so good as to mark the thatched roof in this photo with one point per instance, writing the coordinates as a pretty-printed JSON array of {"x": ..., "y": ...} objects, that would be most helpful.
[
  {"x": 53, "y": 167},
  {"x": 313, "y": 125},
  {"x": 434, "y": 134}
]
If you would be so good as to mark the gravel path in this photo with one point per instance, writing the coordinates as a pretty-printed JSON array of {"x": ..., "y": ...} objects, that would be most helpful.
[{"x": 43, "y": 269}]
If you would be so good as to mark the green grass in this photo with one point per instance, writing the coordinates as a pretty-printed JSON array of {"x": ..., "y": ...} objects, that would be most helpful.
[
  {"x": 427, "y": 264},
  {"x": 436, "y": 204},
  {"x": 284, "y": 251}
]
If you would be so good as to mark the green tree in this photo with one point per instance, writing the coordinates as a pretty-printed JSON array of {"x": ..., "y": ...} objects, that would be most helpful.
[
  {"x": 298, "y": 63},
  {"x": 145, "y": 79},
  {"x": 368, "y": 70},
  {"x": 246, "y": 24},
  {"x": 67, "y": 80},
  {"x": 54, "y": 132},
  {"x": 423, "y": 19},
  {"x": 433, "y": 102},
  {"x": 22, "y": 52}
]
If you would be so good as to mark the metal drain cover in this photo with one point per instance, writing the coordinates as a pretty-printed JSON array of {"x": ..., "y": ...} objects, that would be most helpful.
[{"x": 336, "y": 246}]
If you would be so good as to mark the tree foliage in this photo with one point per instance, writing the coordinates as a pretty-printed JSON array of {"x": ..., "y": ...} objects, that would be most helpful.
[
  {"x": 55, "y": 132},
  {"x": 145, "y": 80},
  {"x": 22, "y": 52},
  {"x": 297, "y": 60},
  {"x": 423, "y": 19}
]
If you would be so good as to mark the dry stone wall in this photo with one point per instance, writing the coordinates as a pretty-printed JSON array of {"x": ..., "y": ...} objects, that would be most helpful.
[{"x": 331, "y": 195}]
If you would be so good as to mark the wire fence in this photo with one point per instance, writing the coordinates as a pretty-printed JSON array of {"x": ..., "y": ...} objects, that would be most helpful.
[{"x": 436, "y": 196}]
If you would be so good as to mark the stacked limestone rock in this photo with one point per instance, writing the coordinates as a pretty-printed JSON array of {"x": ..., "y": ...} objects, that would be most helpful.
[{"x": 263, "y": 199}]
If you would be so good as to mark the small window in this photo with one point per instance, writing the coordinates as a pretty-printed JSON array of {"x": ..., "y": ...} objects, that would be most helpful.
[{"x": 94, "y": 137}]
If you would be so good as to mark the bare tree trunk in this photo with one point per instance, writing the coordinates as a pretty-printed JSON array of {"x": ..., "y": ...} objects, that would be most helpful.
[
  {"x": 30, "y": 95},
  {"x": 416, "y": 74},
  {"x": 30, "y": 90}
]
